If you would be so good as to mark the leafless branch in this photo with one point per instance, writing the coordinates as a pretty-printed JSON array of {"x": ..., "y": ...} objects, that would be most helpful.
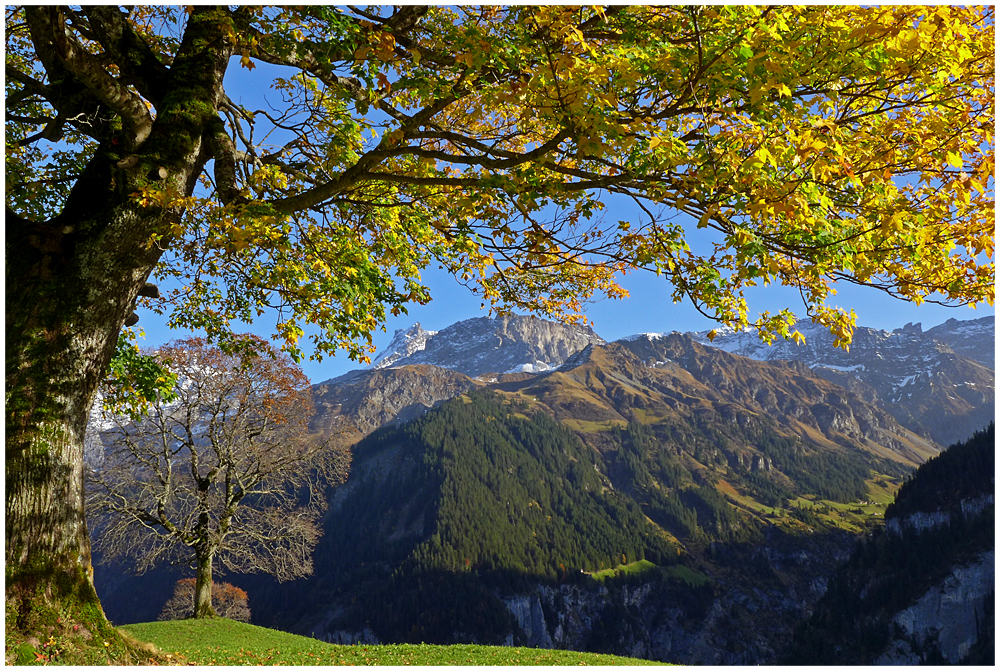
[{"x": 219, "y": 472}]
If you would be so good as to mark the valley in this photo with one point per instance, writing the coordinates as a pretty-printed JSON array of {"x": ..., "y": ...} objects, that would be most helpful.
[{"x": 520, "y": 482}]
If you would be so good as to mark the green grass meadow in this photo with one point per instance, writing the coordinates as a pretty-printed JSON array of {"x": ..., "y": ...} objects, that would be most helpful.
[{"x": 224, "y": 642}]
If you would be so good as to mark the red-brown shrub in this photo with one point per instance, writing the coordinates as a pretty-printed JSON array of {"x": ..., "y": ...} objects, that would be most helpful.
[{"x": 228, "y": 601}]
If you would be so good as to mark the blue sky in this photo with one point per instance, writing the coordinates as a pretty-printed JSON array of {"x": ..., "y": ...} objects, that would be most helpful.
[{"x": 648, "y": 309}]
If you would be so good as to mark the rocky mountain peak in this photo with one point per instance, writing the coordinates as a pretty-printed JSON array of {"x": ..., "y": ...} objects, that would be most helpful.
[
  {"x": 404, "y": 343},
  {"x": 909, "y": 329},
  {"x": 973, "y": 338},
  {"x": 505, "y": 344}
]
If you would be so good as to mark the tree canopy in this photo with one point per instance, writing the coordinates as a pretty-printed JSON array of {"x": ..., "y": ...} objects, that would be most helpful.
[{"x": 822, "y": 144}]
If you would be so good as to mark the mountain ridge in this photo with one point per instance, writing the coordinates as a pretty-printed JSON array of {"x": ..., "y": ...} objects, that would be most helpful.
[
  {"x": 485, "y": 345},
  {"x": 916, "y": 376},
  {"x": 937, "y": 383}
]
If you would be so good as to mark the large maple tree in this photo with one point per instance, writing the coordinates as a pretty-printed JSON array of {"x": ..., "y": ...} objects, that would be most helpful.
[{"x": 818, "y": 144}]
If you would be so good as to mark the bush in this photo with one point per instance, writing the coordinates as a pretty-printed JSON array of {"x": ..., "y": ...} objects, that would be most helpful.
[{"x": 228, "y": 601}]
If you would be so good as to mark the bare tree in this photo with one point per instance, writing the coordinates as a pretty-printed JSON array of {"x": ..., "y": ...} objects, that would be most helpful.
[{"x": 227, "y": 471}]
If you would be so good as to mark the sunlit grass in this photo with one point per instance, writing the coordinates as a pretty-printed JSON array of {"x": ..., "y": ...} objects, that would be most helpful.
[
  {"x": 632, "y": 568},
  {"x": 228, "y": 643}
]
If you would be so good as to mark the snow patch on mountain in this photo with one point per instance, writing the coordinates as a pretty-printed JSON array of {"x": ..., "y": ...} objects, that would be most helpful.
[
  {"x": 845, "y": 369},
  {"x": 536, "y": 367},
  {"x": 648, "y": 336}
]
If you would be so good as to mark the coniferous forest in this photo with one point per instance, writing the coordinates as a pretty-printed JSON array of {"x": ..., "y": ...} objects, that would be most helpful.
[
  {"x": 488, "y": 495},
  {"x": 483, "y": 496}
]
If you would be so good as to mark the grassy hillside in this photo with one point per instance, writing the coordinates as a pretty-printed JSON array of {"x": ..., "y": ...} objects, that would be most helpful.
[{"x": 229, "y": 643}]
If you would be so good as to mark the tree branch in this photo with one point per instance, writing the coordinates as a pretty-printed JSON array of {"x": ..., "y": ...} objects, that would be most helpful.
[
  {"x": 137, "y": 62},
  {"x": 225, "y": 155},
  {"x": 48, "y": 28}
]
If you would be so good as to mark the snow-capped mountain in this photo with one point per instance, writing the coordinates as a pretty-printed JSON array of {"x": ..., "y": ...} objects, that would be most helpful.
[
  {"x": 917, "y": 376},
  {"x": 404, "y": 343},
  {"x": 901, "y": 354},
  {"x": 972, "y": 338},
  {"x": 508, "y": 344}
]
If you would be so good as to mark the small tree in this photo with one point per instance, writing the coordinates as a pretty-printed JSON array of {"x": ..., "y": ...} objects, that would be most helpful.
[
  {"x": 226, "y": 471},
  {"x": 227, "y": 600}
]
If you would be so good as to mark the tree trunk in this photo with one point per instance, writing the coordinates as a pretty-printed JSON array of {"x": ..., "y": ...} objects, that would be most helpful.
[
  {"x": 70, "y": 284},
  {"x": 66, "y": 301},
  {"x": 203, "y": 587}
]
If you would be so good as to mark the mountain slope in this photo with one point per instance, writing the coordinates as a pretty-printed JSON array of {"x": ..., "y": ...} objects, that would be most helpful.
[
  {"x": 923, "y": 590},
  {"x": 790, "y": 393},
  {"x": 471, "y": 495},
  {"x": 359, "y": 402},
  {"x": 420, "y": 369},
  {"x": 914, "y": 375},
  {"x": 474, "y": 521}
]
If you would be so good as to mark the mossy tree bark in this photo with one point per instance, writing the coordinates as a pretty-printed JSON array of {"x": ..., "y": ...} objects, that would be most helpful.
[
  {"x": 71, "y": 283},
  {"x": 67, "y": 298}
]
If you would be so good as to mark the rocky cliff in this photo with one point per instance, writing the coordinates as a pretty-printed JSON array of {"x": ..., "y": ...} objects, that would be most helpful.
[
  {"x": 738, "y": 617},
  {"x": 923, "y": 590},
  {"x": 948, "y": 621}
]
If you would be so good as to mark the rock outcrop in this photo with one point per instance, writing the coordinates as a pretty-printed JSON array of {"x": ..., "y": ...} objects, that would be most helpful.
[{"x": 948, "y": 619}]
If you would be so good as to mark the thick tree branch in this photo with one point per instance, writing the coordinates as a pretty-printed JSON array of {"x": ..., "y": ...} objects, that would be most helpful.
[
  {"x": 225, "y": 155},
  {"x": 48, "y": 28},
  {"x": 138, "y": 64}
]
